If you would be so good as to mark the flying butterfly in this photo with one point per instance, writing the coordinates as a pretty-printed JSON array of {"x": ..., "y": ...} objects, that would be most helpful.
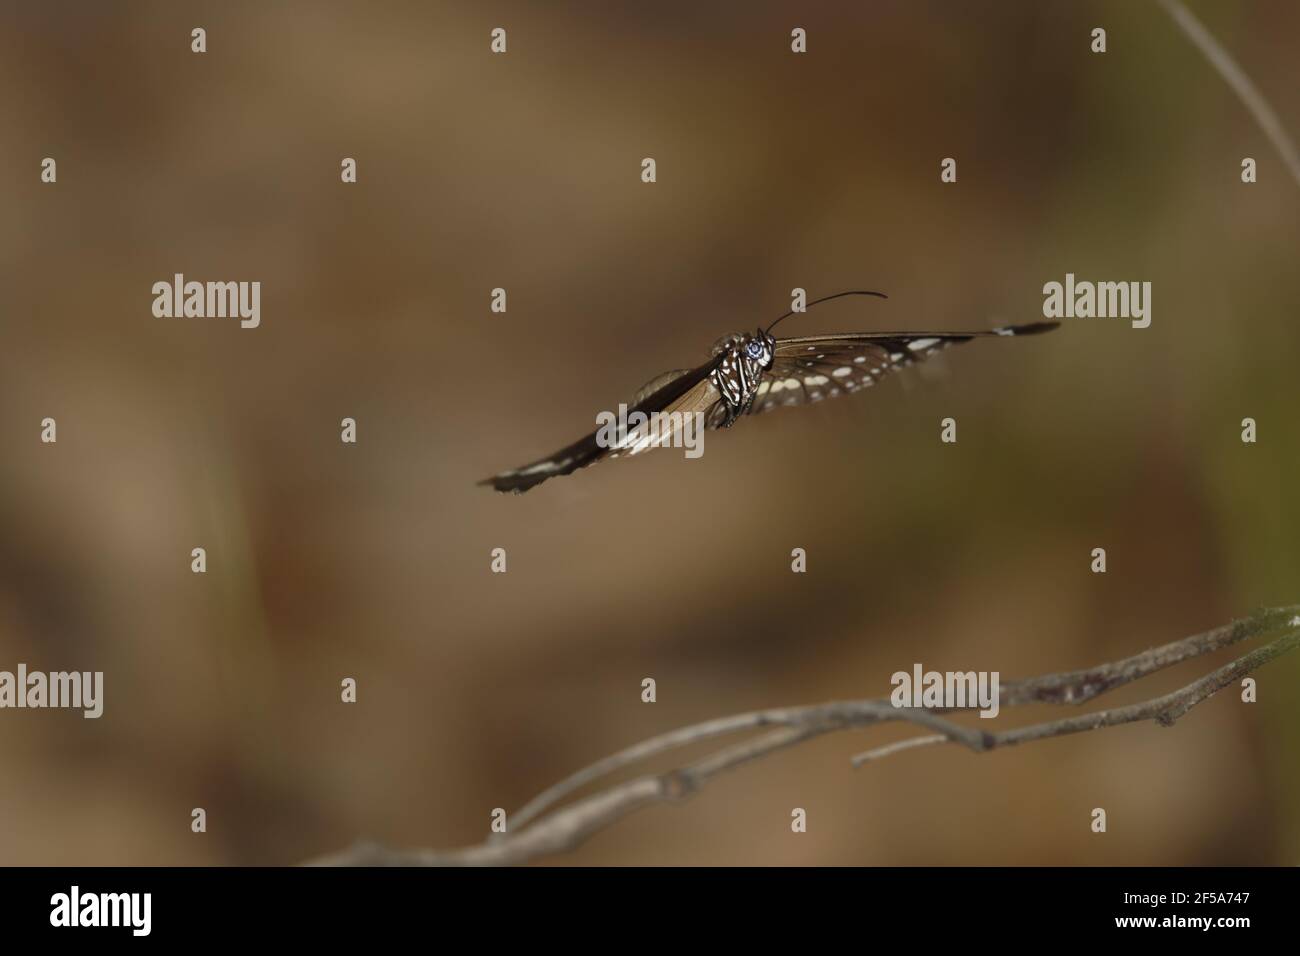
[{"x": 750, "y": 373}]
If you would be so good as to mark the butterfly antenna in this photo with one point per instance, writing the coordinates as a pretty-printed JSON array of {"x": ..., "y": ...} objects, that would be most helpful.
[{"x": 837, "y": 295}]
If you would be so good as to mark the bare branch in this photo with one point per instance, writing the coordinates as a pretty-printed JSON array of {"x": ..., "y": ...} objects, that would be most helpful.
[
  {"x": 567, "y": 827},
  {"x": 1073, "y": 687},
  {"x": 1163, "y": 710}
]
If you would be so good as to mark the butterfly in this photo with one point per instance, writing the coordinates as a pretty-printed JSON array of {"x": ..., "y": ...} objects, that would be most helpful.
[{"x": 751, "y": 373}]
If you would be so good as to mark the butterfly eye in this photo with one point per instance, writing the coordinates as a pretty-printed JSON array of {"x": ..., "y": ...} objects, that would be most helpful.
[{"x": 754, "y": 349}]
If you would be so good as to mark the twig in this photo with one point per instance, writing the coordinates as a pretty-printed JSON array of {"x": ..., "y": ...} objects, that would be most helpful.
[
  {"x": 567, "y": 827},
  {"x": 1236, "y": 77},
  {"x": 1163, "y": 710}
]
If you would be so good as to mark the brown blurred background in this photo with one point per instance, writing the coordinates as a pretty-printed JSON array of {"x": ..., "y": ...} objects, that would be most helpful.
[{"x": 477, "y": 690}]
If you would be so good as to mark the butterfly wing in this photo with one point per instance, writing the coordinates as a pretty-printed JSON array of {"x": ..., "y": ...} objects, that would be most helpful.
[
  {"x": 686, "y": 391},
  {"x": 816, "y": 367},
  {"x": 803, "y": 370}
]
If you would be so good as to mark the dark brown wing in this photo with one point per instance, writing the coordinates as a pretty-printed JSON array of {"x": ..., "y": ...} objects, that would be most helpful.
[
  {"x": 816, "y": 367},
  {"x": 686, "y": 392}
]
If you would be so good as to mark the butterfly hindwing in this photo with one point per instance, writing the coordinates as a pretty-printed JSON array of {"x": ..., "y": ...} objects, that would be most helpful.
[
  {"x": 815, "y": 367},
  {"x": 702, "y": 396}
]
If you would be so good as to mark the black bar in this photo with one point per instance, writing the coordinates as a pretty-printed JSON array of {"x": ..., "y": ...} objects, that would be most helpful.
[{"x": 440, "y": 905}]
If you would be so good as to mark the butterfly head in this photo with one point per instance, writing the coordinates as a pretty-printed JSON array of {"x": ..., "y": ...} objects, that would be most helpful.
[{"x": 760, "y": 348}]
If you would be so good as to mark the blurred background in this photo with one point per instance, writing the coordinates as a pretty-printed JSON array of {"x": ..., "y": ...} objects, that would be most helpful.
[{"x": 775, "y": 170}]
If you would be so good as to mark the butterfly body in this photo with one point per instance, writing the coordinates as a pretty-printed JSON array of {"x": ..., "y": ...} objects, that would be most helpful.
[
  {"x": 737, "y": 377},
  {"x": 751, "y": 373}
]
